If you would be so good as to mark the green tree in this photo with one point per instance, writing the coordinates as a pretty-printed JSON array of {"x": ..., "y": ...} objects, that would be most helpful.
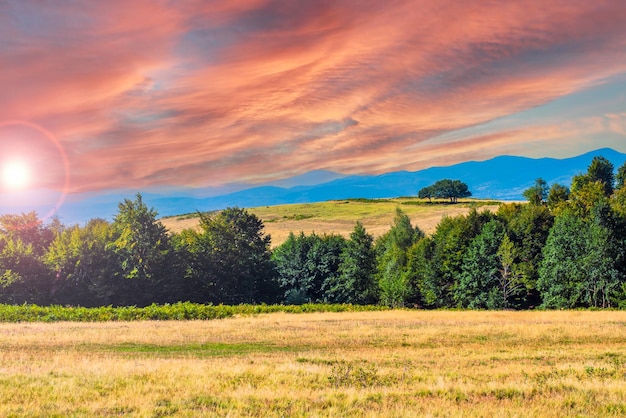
[
  {"x": 620, "y": 178},
  {"x": 579, "y": 268},
  {"x": 23, "y": 277},
  {"x": 392, "y": 259},
  {"x": 600, "y": 170},
  {"x": 528, "y": 227},
  {"x": 446, "y": 189},
  {"x": 228, "y": 261},
  {"x": 290, "y": 260},
  {"x": 23, "y": 240},
  {"x": 436, "y": 263},
  {"x": 602, "y": 261},
  {"x": 193, "y": 262},
  {"x": 240, "y": 256},
  {"x": 84, "y": 265},
  {"x": 557, "y": 195},
  {"x": 307, "y": 266},
  {"x": 587, "y": 198},
  {"x": 618, "y": 203},
  {"x": 510, "y": 281},
  {"x": 426, "y": 193},
  {"x": 355, "y": 281},
  {"x": 537, "y": 194},
  {"x": 29, "y": 229},
  {"x": 478, "y": 284},
  {"x": 324, "y": 258},
  {"x": 142, "y": 248},
  {"x": 421, "y": 273}
]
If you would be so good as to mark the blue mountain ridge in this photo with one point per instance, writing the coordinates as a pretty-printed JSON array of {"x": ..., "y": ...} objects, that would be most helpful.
[{"x": 501, "y": 178}]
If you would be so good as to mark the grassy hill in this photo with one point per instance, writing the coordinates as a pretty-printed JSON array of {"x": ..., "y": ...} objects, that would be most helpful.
[{"x": 339, "y": 216}]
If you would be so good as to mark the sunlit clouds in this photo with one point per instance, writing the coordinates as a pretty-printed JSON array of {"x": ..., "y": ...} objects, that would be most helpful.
[{"x": 145, "y": 93}]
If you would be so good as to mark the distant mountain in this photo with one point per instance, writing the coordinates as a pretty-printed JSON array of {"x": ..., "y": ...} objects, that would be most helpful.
[{"x": 503, "y": 178}]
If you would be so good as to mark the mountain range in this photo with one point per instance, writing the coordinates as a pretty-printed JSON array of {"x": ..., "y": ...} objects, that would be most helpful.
[{"x": 502, "y": 178}]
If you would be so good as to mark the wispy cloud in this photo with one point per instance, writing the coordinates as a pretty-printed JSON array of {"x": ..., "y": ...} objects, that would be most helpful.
[{"x": 146, "y": 93}]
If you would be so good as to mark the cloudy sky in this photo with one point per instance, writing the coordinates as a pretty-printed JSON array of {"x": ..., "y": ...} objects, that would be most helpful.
[{"x": 140, "y": 94}]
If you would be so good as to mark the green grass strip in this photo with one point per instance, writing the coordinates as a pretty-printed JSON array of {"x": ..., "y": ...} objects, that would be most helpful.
[{"x": 178, "y": 311}]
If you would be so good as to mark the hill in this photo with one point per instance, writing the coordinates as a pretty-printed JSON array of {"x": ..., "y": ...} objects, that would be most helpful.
[
  {"x": 501, "y": 178},
  {"x": 340, "y": 216}
]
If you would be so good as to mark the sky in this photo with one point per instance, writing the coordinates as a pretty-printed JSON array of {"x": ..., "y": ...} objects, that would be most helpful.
[{"x": 166, "y": 95}]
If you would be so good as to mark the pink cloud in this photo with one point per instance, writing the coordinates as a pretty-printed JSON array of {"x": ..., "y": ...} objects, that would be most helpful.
[{"x": 142, "y": 93}]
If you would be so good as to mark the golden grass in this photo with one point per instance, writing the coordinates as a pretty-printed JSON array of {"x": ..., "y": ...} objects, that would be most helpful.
[
  {"x": 390, "y": 363},
  {"x": 339, "y": 217}
]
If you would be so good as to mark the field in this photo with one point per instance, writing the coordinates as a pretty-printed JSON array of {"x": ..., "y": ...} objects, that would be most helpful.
[
  {"x": 392, "y": 363},
  {"x": 340, "y": 216}
]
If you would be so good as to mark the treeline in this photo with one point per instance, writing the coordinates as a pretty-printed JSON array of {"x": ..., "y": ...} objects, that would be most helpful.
[{"x": 565, "y": 248}]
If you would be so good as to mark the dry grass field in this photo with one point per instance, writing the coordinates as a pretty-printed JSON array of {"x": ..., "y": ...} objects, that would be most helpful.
[
  {"x": 339, "y": 216},
  {"x": 390, "y": 364}
]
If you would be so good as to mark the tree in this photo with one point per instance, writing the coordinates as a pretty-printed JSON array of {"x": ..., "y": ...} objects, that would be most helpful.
[
  {"x": 579, "y": 268},
  {"x": 602, "y": 262},
  {"x": 587, "y": 198},
  {"x": 29, "y": 229},
  {"x": 557, "y": 195},
  {"x": 192, "y": 255},
  {"x": 142, "y": 247},
  {"x": 446, "y": 189},
  {"x": 355, "y": 281},
  {"x": 426, "y": 193},
  {"x": 324, "y": 257},
  {"x": 478, "y": 284},
  {"x": 236, "y": 254},
  {"x": 537, "y": 194},
  {"x": 528, "y": 227},
  {"x": 436, "y": 263},
  {"x": 392, "y": 259},
  {"x": 422, "y": 272},
  {"x": 23, "y": 240},
  {"x": 290, "y": 260},
  {"x": 620, "y": 178},
  {"x": 84, "y": 265},
  {"x": 618, "y": 203},
  {"x": 23, "y": 277},
  {"x": 307, "y": 266},
  {"x": 510, "y": 282},
  {"x": 600, "y": 170}
]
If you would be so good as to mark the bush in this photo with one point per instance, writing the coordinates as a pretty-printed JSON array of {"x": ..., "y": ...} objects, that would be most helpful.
[{"x": 181, "y": 311}]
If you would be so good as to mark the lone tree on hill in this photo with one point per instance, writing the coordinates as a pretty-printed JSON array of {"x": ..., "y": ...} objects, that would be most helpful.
[{"x": 445, "y": 189}]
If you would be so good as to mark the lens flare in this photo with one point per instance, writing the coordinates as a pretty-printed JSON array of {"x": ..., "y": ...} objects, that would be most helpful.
[
  {"x": 15, "y": 175},
  {"x": 18, "y": 175}
]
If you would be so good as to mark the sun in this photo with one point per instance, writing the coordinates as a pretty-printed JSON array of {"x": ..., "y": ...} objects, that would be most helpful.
[{"x": 15, "y": 174}]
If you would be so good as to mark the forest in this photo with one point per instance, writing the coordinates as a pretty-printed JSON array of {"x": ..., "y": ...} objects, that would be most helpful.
[{"x": 564, "y": 248}]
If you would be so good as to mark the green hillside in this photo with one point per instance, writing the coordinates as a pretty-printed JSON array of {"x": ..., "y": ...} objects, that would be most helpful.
[{"x": 339, "y": 216}]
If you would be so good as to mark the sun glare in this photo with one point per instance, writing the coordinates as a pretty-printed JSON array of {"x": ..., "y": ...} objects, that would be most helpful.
[{"x": 15, "y": 175}]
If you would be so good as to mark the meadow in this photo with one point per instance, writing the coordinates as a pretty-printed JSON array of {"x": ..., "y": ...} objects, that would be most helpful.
[
  {"x": 339, "y": 216},
  {"x": 399, "y": 363}
]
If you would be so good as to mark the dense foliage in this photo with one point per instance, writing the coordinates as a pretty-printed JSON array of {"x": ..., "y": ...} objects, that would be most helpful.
[{"x": 564, "y": 248}]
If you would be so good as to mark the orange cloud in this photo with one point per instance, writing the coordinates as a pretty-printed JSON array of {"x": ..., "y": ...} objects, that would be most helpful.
[{"x": 146, "y": 93}]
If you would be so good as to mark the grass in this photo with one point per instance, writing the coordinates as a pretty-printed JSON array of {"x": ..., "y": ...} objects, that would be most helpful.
[
  {"x": 176, "y": 311},
  {"x": 340, "y": 216},
  {"x": 197, "y": 350},
  {"x": 390, "y": 363}
]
